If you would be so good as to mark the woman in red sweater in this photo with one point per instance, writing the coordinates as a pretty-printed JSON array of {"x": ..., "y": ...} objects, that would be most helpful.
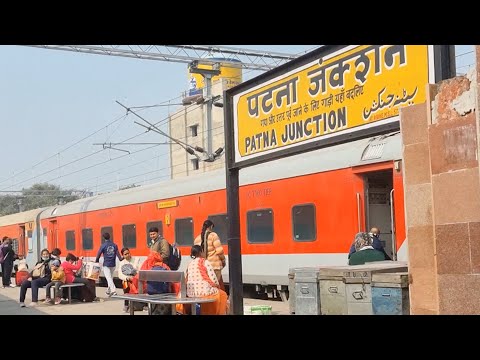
[{"x": 70, "y": 269}]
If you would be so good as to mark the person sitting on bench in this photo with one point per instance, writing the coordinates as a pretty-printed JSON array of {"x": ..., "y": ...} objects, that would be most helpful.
[
  {"x": 70, "y": 269},
  {"x": 58, "y": 279},
  {"x": 201, "y": 281}
]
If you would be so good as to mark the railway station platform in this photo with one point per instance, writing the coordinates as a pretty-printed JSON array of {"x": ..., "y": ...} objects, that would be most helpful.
[{"x": 9, "y": 305}]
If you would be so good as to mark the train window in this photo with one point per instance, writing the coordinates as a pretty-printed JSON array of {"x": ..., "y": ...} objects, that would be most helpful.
[
  {"x": 29, "y": 233},
  {"x": 260, "y": 226},
  {"x": 87, "y": 239},
  {"x": 15, "y": 245},
  {"x": 44, "y": 234},
  {"x": 157, "y": 224},
  {"x": 129, "y": 234},
  {"x": 105, "y": 229},
  {"x": 70, "y": 240},
  {"x": 184, "y": 232},
  {"x": 220, "y": 226},
  {"x": 304, "y": 224},
  {"x": 30, "y": 245}
]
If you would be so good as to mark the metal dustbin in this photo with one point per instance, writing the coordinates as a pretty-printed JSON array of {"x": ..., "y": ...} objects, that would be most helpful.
[
  {"x": 307, "y": 291},
  {"x": 390, "y": 295},
  {"x": 358, "y": 279},
  {"x": 291, "y": 287},
  {"x": 332, "y": 291},
  {"x": 346, "y": 289}
]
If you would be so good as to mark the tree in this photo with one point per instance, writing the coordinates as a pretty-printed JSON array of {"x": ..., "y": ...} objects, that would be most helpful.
[
  {"x": 8, "y": 205},
  {"x": 37, "y": 196}
]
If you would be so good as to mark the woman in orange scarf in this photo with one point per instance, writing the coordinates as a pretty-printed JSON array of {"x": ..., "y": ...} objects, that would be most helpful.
[
  {"x": 153, "y": 259},
  {"x": 202, "y": 282}
]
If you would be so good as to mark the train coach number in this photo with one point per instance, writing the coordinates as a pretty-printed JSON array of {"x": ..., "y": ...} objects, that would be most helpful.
[{"x": 259, "y": 192}]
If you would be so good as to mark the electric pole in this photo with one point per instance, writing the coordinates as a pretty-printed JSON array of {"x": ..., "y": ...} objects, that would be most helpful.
[{"x": 207, "y": 74}]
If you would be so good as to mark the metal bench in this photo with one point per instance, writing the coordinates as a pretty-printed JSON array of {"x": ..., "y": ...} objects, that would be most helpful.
[
  {"x": 163, "y": 299},
  {"x": 69, "y": 287},
  {"x": 169, "y": 298},
  {"x": 163, "y": 276}
]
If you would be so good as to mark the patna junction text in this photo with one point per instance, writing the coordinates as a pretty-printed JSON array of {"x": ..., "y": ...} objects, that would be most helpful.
[{"x": 297, "y": 131}]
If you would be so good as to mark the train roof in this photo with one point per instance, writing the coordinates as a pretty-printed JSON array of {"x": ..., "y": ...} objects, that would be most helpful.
[
  {"x": 354, "y": 153},
  {"x": 360, "y": 152},
  {"x": 20, "y": 218}
]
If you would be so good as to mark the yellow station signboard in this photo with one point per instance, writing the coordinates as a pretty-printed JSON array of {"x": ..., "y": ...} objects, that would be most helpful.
[{"x": 354, "y": 88}]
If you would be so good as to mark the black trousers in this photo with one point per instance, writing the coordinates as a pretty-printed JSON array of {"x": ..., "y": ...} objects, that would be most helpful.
[{"x": 7, "y": 268}]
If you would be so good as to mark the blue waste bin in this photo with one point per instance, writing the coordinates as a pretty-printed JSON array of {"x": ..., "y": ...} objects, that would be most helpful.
[{"x": 390, "y": 295}]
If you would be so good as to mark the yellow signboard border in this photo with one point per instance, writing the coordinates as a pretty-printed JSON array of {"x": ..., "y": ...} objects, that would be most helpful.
[{"x": 383, "y": 125}]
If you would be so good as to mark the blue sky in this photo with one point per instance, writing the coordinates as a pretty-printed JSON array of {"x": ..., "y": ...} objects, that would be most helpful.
[{"x": 52, "y": 99}]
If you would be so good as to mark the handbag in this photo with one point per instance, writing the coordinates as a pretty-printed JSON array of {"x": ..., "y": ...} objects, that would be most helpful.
[
  {"x": 128, "y": 270},
  {"x": 39, "y": 271}
]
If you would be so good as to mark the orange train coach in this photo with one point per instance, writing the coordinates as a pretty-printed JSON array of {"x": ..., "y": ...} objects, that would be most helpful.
[{"x": 302, "y": 210}]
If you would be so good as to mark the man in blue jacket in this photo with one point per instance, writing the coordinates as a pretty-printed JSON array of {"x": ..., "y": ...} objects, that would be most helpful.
[
  {"x": 377, "y": 243},
  {"x": 364, "y": 250},
  {"x": 109, "y": 250}
]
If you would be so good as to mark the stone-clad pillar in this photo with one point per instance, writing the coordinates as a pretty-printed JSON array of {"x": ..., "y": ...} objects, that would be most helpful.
[
  {"x": 417, "y": 181},
  {"x": 442, "y": 198}
]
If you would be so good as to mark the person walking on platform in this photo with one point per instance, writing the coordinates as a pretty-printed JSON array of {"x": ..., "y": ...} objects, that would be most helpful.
[{"x": 109, "y": 250}]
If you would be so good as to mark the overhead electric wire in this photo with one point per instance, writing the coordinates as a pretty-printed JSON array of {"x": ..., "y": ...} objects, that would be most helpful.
[
  {"x": 65, "y": 149},
  {"x": 80, "y": 185},
  {"x": 101, "y": 163},
  {"x": 164, "y": 103},
  {"x": 81, "y": 140},
  {"x": 58, "y": 168},
  {"x": 465, "y": 53},
  {"x": 169, "y": 118}
]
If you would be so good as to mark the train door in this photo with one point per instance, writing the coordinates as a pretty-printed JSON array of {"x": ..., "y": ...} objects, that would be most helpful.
[
  {"x": 21, "y": 241},
  {"x": 378, "y": 187},
  {"x": 53, "y": 243}
]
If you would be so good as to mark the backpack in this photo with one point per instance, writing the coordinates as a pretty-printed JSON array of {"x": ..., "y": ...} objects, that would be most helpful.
[
  {"x": 175, "y": 258},
  {"x": 157, "y": 287}
]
